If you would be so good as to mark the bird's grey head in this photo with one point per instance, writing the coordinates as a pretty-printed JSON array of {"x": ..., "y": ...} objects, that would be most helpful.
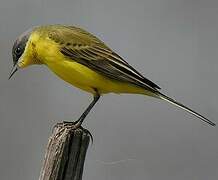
[
  {"x": 18, "y": 49},
  {"x": 19, "y": 46}
]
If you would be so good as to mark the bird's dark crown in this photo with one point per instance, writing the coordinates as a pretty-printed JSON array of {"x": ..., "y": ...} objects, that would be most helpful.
[{"x": 19, "y": 46}]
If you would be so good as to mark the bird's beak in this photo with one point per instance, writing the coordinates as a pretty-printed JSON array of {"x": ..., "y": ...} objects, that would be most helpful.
[{"x": 13, "y": 70}]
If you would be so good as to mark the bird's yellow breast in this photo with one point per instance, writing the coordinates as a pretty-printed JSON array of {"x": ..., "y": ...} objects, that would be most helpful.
[{"x": 78, "y": 74}]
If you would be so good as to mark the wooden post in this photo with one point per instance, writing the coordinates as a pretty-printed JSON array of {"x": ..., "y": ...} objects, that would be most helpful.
[{"x": 65, "y": 153}]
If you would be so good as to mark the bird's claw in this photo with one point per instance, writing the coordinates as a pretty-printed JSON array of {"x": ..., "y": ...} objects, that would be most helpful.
[{"x": 73, "y": 125}]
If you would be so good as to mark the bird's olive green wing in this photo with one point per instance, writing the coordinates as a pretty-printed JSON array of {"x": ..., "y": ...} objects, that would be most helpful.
[{"x": 86, "y": 49}]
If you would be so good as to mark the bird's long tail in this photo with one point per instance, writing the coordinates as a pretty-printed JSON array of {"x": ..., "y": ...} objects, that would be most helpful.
[{"x": 172, "y": 101}]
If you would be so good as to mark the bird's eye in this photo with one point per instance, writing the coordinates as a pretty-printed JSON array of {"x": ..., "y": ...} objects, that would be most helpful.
[{"x": 18, "y": 51}]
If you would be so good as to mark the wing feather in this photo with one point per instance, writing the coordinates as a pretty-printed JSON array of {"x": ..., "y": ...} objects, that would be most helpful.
[{"x": 86, "y": 49}]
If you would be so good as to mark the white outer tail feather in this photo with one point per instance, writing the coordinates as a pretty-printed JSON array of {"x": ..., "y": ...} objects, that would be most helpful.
[{"x": 172, "y": 101}]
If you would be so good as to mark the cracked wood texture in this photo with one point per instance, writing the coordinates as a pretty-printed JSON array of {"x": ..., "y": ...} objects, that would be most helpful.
[{"x": 65, "y": 154}]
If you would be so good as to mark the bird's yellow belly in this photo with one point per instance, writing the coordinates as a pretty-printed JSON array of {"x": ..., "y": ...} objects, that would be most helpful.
[
  {"x": 89, "y": 80},
  {"x": 76, "y": 74}
]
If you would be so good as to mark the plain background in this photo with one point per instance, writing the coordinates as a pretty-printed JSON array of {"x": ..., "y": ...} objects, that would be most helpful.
[{"x": 172, "y": 42}]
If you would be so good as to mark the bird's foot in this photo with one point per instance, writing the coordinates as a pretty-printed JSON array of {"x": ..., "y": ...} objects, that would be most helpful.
[{"x": 72, "y": 125}]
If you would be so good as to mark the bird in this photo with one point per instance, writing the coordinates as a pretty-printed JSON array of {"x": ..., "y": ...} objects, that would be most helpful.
[{"x": 83, "y": 60}]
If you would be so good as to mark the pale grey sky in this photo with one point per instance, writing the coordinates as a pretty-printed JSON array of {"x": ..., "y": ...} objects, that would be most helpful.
[{"x": 172, "y": 42}]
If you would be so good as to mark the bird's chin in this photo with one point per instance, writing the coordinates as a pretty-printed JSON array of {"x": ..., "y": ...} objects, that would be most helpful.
[{"x": 21, "y": 65}]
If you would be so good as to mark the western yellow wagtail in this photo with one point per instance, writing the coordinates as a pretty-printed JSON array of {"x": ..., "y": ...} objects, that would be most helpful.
[{"x": 84, "y": 61}]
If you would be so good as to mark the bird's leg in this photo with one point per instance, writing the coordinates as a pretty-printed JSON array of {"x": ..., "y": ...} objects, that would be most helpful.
[
  {"x": 88, "y": 109},
  {"x": 78, "y": 123}
]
